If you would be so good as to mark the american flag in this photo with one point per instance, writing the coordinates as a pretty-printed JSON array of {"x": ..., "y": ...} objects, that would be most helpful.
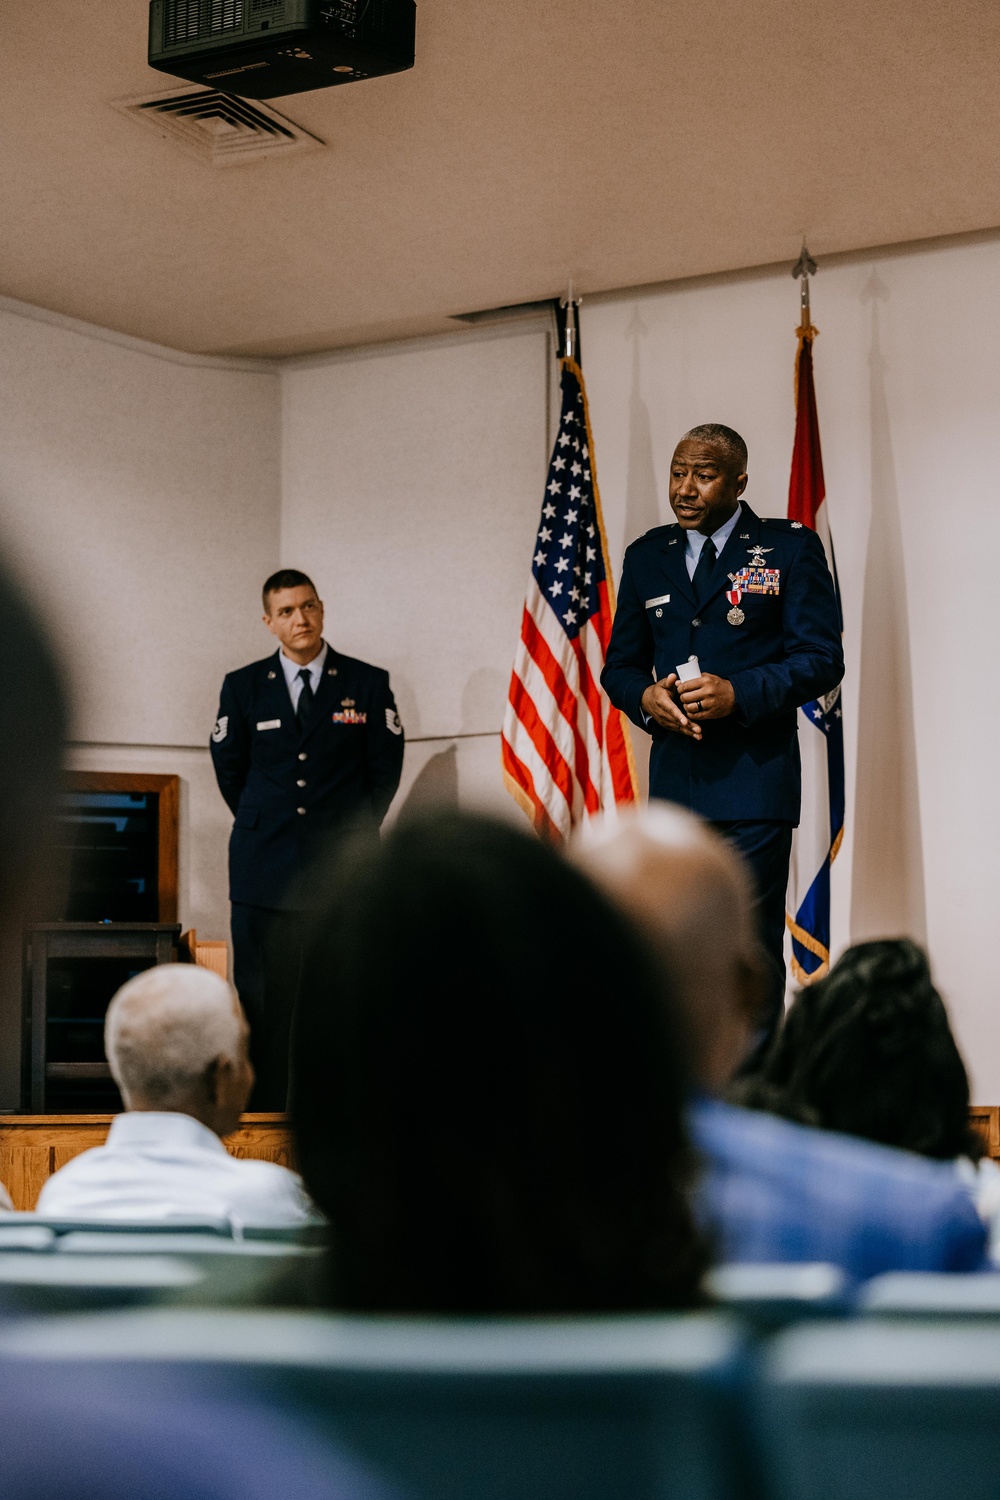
[{"x": 566, "y": 751}]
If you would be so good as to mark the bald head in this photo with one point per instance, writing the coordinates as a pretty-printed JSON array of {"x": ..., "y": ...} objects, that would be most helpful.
[
  {"x": 176, "y": 1040},
  {"x": 691, "y": 894}
]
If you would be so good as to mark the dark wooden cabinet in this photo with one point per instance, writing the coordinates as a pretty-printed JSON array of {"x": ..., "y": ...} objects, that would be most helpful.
[
  {"x": 117, "y": 837},
  {"x": 72, "y": 970}
]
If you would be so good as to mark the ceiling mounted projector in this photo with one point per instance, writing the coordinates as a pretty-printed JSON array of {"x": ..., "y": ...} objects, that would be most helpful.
[{"x": 264, "y": 49}]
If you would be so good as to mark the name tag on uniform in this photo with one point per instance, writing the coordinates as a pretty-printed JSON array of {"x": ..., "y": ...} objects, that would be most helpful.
[
  {"x": 663, "y": 599},
  {"x": 269, "y": 724}
]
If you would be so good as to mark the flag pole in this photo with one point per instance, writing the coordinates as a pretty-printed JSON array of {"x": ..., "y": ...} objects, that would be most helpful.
[
  {"x": 818, "y": 837},
  {"x": 570, "y": 303},
  {"x": 803, "y": 268}
]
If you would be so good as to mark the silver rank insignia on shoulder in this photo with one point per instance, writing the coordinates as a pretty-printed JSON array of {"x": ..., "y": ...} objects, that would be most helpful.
[
  {"x": 271, "y": 676},
  {"x": 796, "y": 525}
]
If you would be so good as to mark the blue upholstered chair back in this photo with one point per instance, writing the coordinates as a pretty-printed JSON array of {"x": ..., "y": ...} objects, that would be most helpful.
[
  {"x": 878, "y": 1409},
  {"x": 581, "y": 1409}
]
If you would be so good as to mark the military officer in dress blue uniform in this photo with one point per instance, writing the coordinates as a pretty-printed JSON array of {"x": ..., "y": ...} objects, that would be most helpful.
[
  {"x": 306, "y": 741},
  {"x": 754, "y": 602}
]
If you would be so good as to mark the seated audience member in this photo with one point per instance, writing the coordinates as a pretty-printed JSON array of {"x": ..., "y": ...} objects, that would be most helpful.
[
  {"x": 771, "y": 1190},
  {"x": 488, "y": 1091},
  {"x": 176, "y": 1042},
  {"x": 869, "y": 1051}
]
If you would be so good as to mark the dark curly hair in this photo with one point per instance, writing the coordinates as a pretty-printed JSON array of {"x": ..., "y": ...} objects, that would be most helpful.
[
  {"x": 488, "y": 1090},
  {"x": 869, "y": 1051}
]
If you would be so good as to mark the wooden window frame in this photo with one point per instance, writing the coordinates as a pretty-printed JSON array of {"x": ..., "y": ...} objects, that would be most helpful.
[{"x": 168, "y": 826}]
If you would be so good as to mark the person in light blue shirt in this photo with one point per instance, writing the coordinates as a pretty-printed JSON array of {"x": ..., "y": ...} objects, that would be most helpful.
[{"x": 770, "y": 1190}]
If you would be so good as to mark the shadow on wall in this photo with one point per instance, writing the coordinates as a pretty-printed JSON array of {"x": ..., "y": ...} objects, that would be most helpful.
[
  {"x": 436, "y": 784},
  {"x": 484, "y": 698},
  {"x": 406, "y": 703},
  {"x": 642, "y": 505},
  {"x": 887, "y": 893}
]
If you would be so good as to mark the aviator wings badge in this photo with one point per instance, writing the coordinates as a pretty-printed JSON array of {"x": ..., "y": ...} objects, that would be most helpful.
[{"x": 757, "y": 554}]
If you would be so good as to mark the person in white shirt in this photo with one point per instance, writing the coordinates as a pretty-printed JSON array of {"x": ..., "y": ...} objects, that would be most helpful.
[{"x": 177, "y": 1045}]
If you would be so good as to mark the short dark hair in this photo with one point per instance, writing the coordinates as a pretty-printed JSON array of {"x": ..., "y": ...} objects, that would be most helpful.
[
  {"x": 488, "y": 1087},
  {"x": 286, "y": 578},
  {"x": 869, "y": 1051},
  {"x": 726, "y": 438}
]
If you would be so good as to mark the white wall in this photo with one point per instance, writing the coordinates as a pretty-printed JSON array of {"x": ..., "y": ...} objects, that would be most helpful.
[
  {"x": 411, "y": 482},
  {"x": 906, "y": 376},
  {"x": 139, "y": 493},
  {"x": 144, "y": 495}
]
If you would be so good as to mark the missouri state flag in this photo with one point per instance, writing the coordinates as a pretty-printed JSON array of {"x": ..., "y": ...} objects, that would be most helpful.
[{"x": 821, "y": 726}]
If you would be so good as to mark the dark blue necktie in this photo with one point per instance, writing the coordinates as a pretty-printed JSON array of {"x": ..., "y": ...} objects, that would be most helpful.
[
  {"x": 306, "y": 696},
  {"x": 703, "y": 568}
]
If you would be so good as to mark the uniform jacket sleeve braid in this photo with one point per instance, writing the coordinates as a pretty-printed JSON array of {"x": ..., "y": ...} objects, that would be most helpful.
[
  {"x": 628, "y": 669},
  {"x": 230, "y": 746},
  {"x": 384, "y": 747},
  {"x": 814, "y": 659}
]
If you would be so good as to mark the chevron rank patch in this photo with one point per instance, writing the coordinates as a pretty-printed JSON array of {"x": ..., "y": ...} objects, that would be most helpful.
[
  {"x": 221, "y": 729},
  {"x": 392, "y": 721}
]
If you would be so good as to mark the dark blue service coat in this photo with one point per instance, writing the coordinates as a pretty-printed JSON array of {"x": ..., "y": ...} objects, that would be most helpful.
[
  {"x": 785, "y": 653},
  {"x": 288, "y": 789}
]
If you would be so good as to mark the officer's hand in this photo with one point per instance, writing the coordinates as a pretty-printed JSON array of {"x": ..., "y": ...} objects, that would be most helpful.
[
  {"x": 707, "y": 697},
  {"x": 660, "y": 702}
]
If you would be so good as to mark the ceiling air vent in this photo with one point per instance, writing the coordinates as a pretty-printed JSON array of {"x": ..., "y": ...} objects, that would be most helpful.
[{"x": 218, "y": 128}]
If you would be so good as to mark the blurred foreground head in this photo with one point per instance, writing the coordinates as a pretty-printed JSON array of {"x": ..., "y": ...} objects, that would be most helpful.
[
  {"x": 33, "y": 722},
  {"x": 691, "y": 895},
  {"x": 869, "y": 1051},
  {"x": 487, "y": 1086}
]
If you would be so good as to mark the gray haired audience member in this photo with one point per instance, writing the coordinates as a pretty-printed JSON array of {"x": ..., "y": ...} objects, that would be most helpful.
[
  {"x": 176, "y": 1042},
  {"x": 770, "y": 1190}
]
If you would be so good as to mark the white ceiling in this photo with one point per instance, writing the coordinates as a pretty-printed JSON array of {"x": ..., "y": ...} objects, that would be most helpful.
[{"x": 619, "y": 142}]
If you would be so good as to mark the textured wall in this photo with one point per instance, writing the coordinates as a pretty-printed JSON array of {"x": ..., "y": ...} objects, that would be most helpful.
[
  {"x": 144, "y": 497},
  {"x": 139, "y": 496},
  {"x": 412, "y": 479}
]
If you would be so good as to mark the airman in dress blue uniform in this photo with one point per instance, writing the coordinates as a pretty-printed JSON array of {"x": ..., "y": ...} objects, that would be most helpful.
[
  {"x": 306, "y": 741},
  {"x": 753, "y": 601}
]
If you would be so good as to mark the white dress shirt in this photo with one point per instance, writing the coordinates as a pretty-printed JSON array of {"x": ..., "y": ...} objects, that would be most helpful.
[
  {"x": 159, "y": 1165},
  {"x": 695, "y": 541},
  {"x": 292, "y": 669}
]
